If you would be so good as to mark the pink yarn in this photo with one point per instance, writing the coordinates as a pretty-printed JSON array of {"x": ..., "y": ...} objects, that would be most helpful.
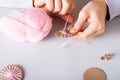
[
  {"x": 11, "y": 72},
  {"x": 31, "y": 24}
]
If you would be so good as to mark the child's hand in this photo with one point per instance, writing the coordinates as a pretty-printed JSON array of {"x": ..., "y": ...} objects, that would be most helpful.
[
  {"x": 94, "y": 13},
  {"x": 62, "y": 7}
]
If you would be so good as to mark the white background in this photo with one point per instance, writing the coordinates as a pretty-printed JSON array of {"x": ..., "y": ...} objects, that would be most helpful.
[{"x": 46, "y": 61}]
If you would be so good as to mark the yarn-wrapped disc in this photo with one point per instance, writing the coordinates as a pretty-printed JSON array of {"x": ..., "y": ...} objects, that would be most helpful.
[{"x": 11, "y": 72}]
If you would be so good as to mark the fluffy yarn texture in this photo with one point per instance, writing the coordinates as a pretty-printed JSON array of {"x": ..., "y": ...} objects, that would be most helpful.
[{"x": 31, "y": 24}]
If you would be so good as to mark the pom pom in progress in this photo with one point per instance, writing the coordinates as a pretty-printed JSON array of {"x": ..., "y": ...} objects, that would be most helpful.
[
  {"x": 11, "y": 72},
  {"x": 31, "y": 24}
]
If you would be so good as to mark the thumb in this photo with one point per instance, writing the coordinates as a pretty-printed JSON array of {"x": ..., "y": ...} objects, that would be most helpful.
[{"x": 79, "y": 23}]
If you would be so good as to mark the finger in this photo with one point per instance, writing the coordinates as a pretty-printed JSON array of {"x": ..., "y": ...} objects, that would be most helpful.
[
  {"x": 83, "y": 38},
  {"x": 50, "y": 5},
  {"x": 70, "y": 27},
  {"x": 58, "y": 6},
  {"x": 88, "y": 32},
  {"x": 71, "y": 9},
  {"x": 96, "y": 34},
  {"x": 39, "y": 3},
  {"x": 68, "y": 18},
  {"x": 65, "y": 7},
  {"x": 100, "y": 31},
  {"x": 79, "y": 23},
  {"x": 65, "y": 17}
]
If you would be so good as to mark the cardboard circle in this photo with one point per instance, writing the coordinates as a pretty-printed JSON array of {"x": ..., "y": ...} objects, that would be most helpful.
[
  {"x": 94, "y": 73},
  {"x": 11, "y": 72},
  {"x": 65, "y": 34}
]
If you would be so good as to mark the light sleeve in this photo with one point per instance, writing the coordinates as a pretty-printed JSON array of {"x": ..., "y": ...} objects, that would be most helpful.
[{"x": 113, "y": 8}]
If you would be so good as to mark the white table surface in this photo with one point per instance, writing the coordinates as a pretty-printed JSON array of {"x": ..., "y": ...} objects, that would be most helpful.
[{"x": 46, "y": 61}]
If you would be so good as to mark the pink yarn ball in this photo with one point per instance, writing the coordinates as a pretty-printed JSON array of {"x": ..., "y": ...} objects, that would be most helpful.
[{"x": 31, "y": 24}]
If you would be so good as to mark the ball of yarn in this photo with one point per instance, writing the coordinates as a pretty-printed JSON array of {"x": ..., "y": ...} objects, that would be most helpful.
[{"x": 31, "y": 24}]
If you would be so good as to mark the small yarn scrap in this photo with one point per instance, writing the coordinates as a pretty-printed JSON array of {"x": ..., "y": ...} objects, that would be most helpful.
[
  {"x": 106, "y": 57},
  {"x": 71, "y": 41}
]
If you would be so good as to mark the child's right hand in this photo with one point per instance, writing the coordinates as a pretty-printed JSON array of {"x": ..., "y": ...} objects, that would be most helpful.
[
  {"x": 56, "y": 7},
  {"x": 95, "y": 14}
]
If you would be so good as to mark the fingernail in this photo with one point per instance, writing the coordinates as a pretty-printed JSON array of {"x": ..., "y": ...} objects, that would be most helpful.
[
  {"x": 72, "y": 30},
  {"x": 70, "y": 27},
  {"x": 71, "y": 19},
  {"x": 64, "y": 17}
]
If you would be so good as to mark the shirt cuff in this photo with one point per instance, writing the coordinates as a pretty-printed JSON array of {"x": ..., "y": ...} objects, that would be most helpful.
[{"x": 113, "y": 7}]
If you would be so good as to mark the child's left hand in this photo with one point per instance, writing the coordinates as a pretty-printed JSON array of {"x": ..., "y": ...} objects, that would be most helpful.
[
  {"x": 94, "y": 13},
  {"x": 60, "y": 8}
]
